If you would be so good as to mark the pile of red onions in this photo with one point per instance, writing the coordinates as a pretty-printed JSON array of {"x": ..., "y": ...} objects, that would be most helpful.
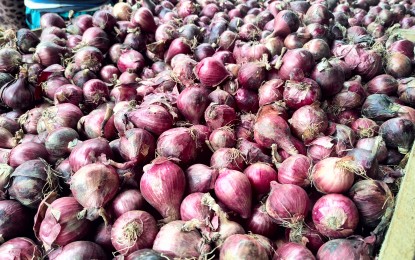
[{"x": 202, "y": 129}]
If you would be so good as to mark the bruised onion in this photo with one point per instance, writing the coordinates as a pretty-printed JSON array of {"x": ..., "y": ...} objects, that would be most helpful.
[
  {"x": 237, "y": 246},
  {"x": 335, "y": 216},
  {"x": 93, "y": 186},
  {"x": 372, "y": 198},
  {"x": 398, "y": 133},
  {"x": 137, "y": 145},
  {"x": 15, "y": 220},
  {"x": 200, "y": 178},
  {"x": 229, "y": 158},
  {"x": 286, "y": 22},
  {"x": 354, "y": 248},
  {"x": 293, "y": 250},
  {"x": 58, "y": 140},
  {"x": 10, "y": 60},
  {"x": 81, "y": 249},
  {"x": 222, "y": 138},
  {"x": 60, "y": 115}
]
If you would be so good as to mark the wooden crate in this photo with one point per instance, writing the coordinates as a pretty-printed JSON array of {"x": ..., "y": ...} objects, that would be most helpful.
[{"x": 399, "y": 243}]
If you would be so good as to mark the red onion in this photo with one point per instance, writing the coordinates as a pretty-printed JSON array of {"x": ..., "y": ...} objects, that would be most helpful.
[
  {"x": 200, "y": 178},
  {"x": 398, "y": 133},
  {"x": 261, "y": 223},
  {"x": 61, "y": 115},
  {"x": 222, "y": 97},
  {"x": 192, "y": 103},
  {"x": 81, "y": 154},
  {"x": 335, "y": 216},
  {"x": 297, "y": 58},
  {"x": 308, "y": 122},
  {"x": 252, "y": 152},
  {"x": 382, "y": 84},
  {"x": 233, "y": 189},
  {"x": 329, "y": 76},
  {"x": 51, "y": 19},
  {"x": 375, "y": 145},
  {"x": 344, "y": 249},
  {"x": 15, "y": 220},
  {"x": 260, "y": 175},
  {"x": 131, "y": 61},
  {"x": 192, "y": 208},
  {"x": 178, "y": 143},
  {"x": 398, "y": 65},
  {"x": 229, "y": 158},
  {"x": 57, "y": 141},
  {"x": 237, "y": 246},
  {"x": 80, "y": 249},
  {"x": 48, "y": 53},
  {"x": 98, "y": 123},
  {"x": 285, "y": 22},
  {"x": 365, "y": 127},
  {"x": 25, "y": 152},
  {"x": 287, "y": 203},
  {"x": 380, "y": 107},
  {"x": 102, "y": 236},
  {"x": 154, "y": 118},
  {"x": 271, "y": 129},
  {"x": 109, "y": 73},
  {"x": 406, "y": 89},
  {"x": 293, "y": 251},
  {"x": 319, "y": 48},
  {"x": 61, "y": 224},
  {"x": 167, "y": 195},
  {"x": 19, "y": 93},
  {"x": 335, "y": 175},
  {"x": 406, "y": 47},
  {"x": 318, "y": 13},
  {"x": 294, "y": 170},
  {"x": 88, "y": 57},
  {"x": 133, "y": 230},
  {"x": 68, "y": 94},
  {"x": 137, "y": 145},
  {"x": 251, "y": 75},
  {"x": 270, "y": 91},
  {"x": 373, "y": 199},
  {"x": 20, "y": 248},
  {"x": 143, "y": 18},
  {"x": 222, "y": 138},
  {"x": 104, "y": 20},
  {"x": 351, "y": 96},
  {"x": 300, "y": 93},
  {"x": 10, "y": 60},
  {"x": 93, "y": 186},
  {"x": 178, "y": 46},
  {"x": 321, "y": 148},
  {"x": 211, "y": 72},
  {"x": 172, "y": 242},
  {"x": 125, "y": 201},
  {"x": 217, "y": 116}
]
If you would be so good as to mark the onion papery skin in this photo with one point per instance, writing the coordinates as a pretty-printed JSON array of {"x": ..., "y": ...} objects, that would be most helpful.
[
  {"x": 133, "y": 230},
  {"x": 93, "y": 186},
  {"x": 61, "y": 225},
  {"x": 293, "y": 251},
  {"x": 187, "y": 244},
  {"x": 178, "y": 143},
  {"x": 234, "y": 190},
  {"x": 163, "y": 185},
  {"x": 295, "y": 170},
  {"x": 287, "y": 202},
  {"x": 372, "y": 198},
  {"x": 335, "y": 216},
  {"x": 239, "y": 246},
  {"x": 334, "y": 175}
]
